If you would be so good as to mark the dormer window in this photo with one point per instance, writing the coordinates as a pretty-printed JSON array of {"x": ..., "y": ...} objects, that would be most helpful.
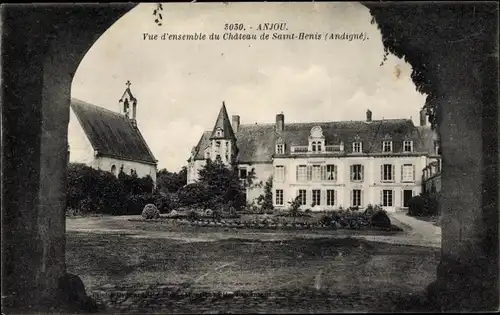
[
  {"x": 356, "y": 147},
  {"x": 218, "y": 132},
  {"x": 407, "y": 146},
  {"x": 280, "y": 146},
  {"x": 280, "y": 149},
  {"x": 316, "y": 139},
  {"x": 387, "y": 146}
]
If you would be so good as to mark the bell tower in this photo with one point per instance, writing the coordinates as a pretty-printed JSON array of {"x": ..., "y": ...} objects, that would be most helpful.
[
  {"x": 127, "y": 100},
  {"x": 222, "y": 139}
]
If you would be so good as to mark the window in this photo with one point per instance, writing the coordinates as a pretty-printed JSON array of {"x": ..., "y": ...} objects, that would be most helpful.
[
  {"x": 407, "y": 146},
  {"x": 313, "y": 145},
  {"x": 218, "y": 132},
  {"x": 302, "y": 196},
  {"x": 407, "y": 173},
  {"x": 331, "y": 172},
  {"x": 330, "y": 197},
  {"x": 207, "y": 154},
  {"x": 387, "y": 146},
  {"x": 387, "y": 172},
  {"x": 316, "y": 194},
  {"x": 356, "y": 198},
  {"x": 319, "y": 146},
  {"x": 279, "y": 173},
  {"x": 356, "y": 147},
  {"x": 437, "y": 149},
  {"x": 243, "y": 173},
  {"x": 113, "y": 169},
  {"x": 218, "y": 157},
  {"x": 357, "y": 172},
  {"x": 387, "y": 198},
  {"x": 279, "y": 197},
  {"x": 217, "y": 144},
  {"x": 316, "y": 172},
  {"x": 280, "y": 149},
  {"x": 301, "y": 173}
]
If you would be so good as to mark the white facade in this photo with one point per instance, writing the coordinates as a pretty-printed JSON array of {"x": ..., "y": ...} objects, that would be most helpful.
[
  {"x": 337, "y": 188},
  {"x": 81, "y": 151}
]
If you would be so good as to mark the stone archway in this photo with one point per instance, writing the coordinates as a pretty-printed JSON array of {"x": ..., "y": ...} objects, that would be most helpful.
[
  {"x": 42, "y": 48},
  {"x": 41, "y": 52}
]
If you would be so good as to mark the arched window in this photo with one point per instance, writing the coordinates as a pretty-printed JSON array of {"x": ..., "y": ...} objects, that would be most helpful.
[
  {"x": 314, "y": 146},
  {"x": 113, "y": 169},
  {"x": 319, "y": 146}
]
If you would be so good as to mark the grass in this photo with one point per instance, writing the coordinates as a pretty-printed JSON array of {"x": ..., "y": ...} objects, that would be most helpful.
[{"x": 236, "y": 263}]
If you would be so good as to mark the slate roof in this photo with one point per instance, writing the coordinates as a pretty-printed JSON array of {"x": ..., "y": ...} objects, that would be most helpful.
[
  {"x": 223, "y": 123},
  {"x": 256, "y": 143},
  {"x": 112, "y": 134}
]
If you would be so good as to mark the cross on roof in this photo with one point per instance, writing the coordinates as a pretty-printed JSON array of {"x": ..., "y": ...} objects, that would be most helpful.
[{"x": 128, "y": 84}]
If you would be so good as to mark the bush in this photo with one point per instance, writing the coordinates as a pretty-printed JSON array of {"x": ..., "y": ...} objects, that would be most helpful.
[
  {"x": 432, "y": 204},
  {"x": 380, "y": 219},
  {"x": 150, "y": 212},
  {"x": 193, "y": 216},
  {"x": 416, "y": 206},
  {"x": 325, "y": 220},
  {"x": 194, "y": 194},
  {"x": 134, "y": 204}
]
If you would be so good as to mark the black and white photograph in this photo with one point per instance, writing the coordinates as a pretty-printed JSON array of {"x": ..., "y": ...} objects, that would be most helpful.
[{"x": 249, "y": 157}]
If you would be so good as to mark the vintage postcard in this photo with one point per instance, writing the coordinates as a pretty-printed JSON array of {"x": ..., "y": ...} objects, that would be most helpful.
[{"x": 224, "y": 157}]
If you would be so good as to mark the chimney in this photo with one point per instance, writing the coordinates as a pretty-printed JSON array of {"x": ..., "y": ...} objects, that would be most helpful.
[
  {"x": 280, "y": 122},
  {"x": 368, "y": 115},
  {"x": 236, "y": 123},
  {"x": 423, "y": 117}
]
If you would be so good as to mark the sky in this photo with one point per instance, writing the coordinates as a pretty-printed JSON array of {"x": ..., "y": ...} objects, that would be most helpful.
[{"x": 180, "y": 85}]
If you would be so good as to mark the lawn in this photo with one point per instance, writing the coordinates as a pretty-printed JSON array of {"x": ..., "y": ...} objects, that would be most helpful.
[{"x": 229, "y": 261}]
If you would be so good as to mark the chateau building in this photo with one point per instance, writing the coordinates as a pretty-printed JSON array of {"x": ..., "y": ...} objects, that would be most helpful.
[
  {"x": 110, "y": 141},
  {"x": 327, "y": 164}
]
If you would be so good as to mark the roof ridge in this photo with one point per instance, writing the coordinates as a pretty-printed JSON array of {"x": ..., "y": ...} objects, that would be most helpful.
[{"x": 98, "y": 107}]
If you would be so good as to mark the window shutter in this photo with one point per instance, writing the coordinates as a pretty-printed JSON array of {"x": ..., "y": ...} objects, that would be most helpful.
[
  {"x": 284, "y": 173},
  {"x": 402, "y": 167},
  {"x": 335, "y": 172},
  {"x": 393, "y": 198},
  {"x": 361, "y": 201},
  {"x": 351, "y": 173},
  {"x": 402, "y": 199},
  {"x": 323, "y": 172},
  {"x": 381, "y": 197},
  {"x": 309, "y": 172},
  {"x": 351, "y": 198},
  {"x": 413, "y": 173},
  {"x": 382, "y": 172},
  {"x": 362, "y": 172},
  {"x": 323, "y": 197},
  {"x": 297, "y": 173},
  {"x": 393, "y": 167}
]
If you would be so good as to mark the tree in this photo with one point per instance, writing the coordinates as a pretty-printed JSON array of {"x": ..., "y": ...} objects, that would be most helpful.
[
  {"x": 223, "y": 182},
  {"x": 169, "y": 182},
  {"x": 265, "y": 200}
]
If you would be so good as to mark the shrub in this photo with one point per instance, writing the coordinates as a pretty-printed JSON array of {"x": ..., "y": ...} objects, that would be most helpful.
[
  {"x": 432, "y": 204},
  {"x": 380, "y": 219},
  {"x": 217, "y": 215},
  {"x": 294, "y": 207},
  {"x": 193, "y": 216},
  {"x": 135, "y": 204},
  {"x": 325, "y": 220},
  {"x": 195, "y": 193},
  {"x": 265, "y": 200},
  {"x": 209, "y": 213},
  {"x": 150, "y": 212},
  {"x": 416, "y": 206}
]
